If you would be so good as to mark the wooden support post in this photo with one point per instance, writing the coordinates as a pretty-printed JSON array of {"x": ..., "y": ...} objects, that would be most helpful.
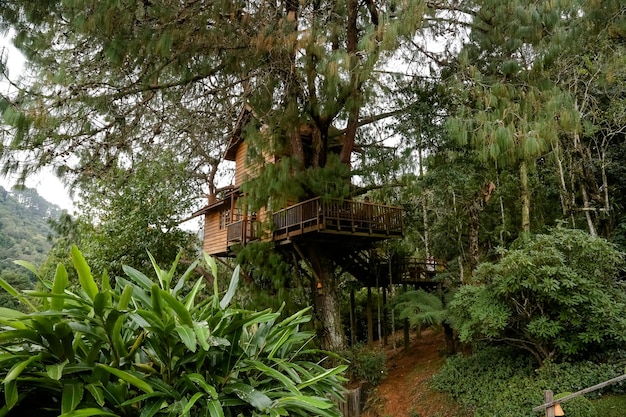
[
  {"x": 370, "y": 319},
  {"x": 352, "y": 319},
  {"x": 385, "y": 335},
  {"x": 549, "y": 397},
  {"x": 406, "y": 326}
]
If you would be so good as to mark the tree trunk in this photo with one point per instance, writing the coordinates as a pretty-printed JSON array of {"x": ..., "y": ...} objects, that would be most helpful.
[
  {"x": 424, "y": 209},
  {"x": 330, "y": 330},
  {"x": 525, "y": 197}
]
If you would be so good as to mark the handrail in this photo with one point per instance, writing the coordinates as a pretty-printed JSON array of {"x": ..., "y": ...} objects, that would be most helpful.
[
  {"x": 579, "y": 393},
  {"x": 343, "y": 213}
]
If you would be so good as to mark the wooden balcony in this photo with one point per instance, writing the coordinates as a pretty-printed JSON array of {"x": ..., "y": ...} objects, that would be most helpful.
[
  {"x": 242, "y": 231},
  {"x": 342, "y": 217}
]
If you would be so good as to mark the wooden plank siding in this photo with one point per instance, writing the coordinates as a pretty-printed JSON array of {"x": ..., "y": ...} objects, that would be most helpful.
[{"x": 214, "y": 237}]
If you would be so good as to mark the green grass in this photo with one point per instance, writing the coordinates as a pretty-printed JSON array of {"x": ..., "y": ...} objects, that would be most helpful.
[{"x": 610, "y": 405}]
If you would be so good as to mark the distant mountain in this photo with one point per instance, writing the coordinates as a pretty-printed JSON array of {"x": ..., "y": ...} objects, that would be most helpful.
[{"x": 23, "y": 235}]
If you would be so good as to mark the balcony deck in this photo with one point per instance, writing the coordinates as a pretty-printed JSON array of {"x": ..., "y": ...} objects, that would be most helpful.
[{"x": 337, "y": 217}]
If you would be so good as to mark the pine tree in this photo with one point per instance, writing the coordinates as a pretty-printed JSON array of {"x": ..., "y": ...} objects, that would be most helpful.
[
  {"x": 119, "y": 78},
  {"x": 512, "y": 112}
]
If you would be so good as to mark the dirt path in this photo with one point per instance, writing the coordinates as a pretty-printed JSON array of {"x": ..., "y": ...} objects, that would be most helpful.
[{"x": 405, "y": 391}]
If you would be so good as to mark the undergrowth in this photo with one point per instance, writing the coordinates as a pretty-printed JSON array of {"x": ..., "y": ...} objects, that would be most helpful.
[{"x": 498, "y": 381}]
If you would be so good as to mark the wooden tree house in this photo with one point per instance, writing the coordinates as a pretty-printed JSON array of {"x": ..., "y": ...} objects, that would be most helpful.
[
  {"x": 338, "y": 231},
  {"x": 227, "y": 224}
]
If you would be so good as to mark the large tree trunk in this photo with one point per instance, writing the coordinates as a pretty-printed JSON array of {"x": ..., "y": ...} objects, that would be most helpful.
[{"x": 330, "y": 330}]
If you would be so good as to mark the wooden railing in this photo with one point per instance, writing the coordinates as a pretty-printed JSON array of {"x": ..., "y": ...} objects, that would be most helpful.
[
  {"x": 338, "y": 215},
  {"x": 242, "y": 231}
]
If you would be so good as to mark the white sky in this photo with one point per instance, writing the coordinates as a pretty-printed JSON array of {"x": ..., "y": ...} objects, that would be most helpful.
[{"x": 46, "y": 183}]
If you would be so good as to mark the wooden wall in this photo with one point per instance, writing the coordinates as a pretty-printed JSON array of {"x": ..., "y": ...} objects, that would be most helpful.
[{"x": 214, "y": 237}]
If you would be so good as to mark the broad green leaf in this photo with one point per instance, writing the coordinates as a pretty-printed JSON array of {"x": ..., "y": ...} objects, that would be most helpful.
[
  {"x": 184, "y": 277},
  {"x": 10, "y": 394},
  {"x": 28, "y": 265},
  {"x": 128, "y": 377},
  {"x": 143, "y": 397},
  {"x": 315, "y": 405},
  {"x": 232, "y": 288},
  {"x": 258, "y": 365},
  {"x": 202, "y": 333},
  {"x": 201, "y": 382},
  {"x": 151, "y": 408},
  {"x": 155, "y": 297},
  {"x": 187, "y": 335},
  {"x": 29, "y": 334},
  {"x": 9, "y": 313},
  {"x": 72, "y": 396},
  {"x": 16, "y": 294},
  {"x": 96, "y": 393},
  {"x": 250, "y": 395},
  {"x": 99, "y": 303},
  {"x": 56, "y": 371},
  {"x": 88, "y": 412},
  {"x": 127, "y": 293},
  {"x": 178, "y": 307},
  {"x": 324, "y": 375},
  {"x": 191, "y": 297},
  {"x": 17, "y": 369},
  {"x": 215, "y": 408},
  {"x": 106, "y": 284},
  {"x": 164, "y": 278},
  {"x": 58, "y": 287},
  {"x": 141, "y": 295},
  {"x": 195, "y": 397},
  {"x": 138, "y": 277},
  {"x": 85, "y": 278},
  {"x": 212, "y": 264}
]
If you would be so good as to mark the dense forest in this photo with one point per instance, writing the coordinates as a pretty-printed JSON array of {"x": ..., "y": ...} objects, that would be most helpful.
[
  {"x": 25, "y": 234},
  {"x": 497, "y": 126}
]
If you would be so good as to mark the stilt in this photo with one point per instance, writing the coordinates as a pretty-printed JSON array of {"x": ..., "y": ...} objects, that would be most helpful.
[
  {"x": 353, "y": 329},
  {"x": 406, "y": 326},
  {"x": 385, "y": 335},
  {"x": 370, "y": 319}
]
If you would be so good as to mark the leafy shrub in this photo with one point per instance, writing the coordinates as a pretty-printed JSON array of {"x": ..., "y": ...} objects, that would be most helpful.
[
  {"x": 554, "y": 295},
  {"x": 577, "y": 407},
  {"x": 499, "y": 381},
  {"x": 141, "y": 348},
  {"x": 366, "y": 364}
]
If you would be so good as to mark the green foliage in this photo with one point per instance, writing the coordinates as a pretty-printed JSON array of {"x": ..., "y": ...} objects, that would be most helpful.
[
  {"x": 152, "y": 347},
  {"x": 555, "y": 295},
  {"x": 577, "y": 407},
  {"x": 610, "y": 405},
  {"x": 366, "y": 364},
  {"x": 504, "y": 382},
  {"x": 23, "y": 235},
  {"x": 421, "y": 308}
]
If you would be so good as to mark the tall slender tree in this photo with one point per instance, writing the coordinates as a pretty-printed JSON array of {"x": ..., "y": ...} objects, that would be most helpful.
[{"x": 512, "y": 112}]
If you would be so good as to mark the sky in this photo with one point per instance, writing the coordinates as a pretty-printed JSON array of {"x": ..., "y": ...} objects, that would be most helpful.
[{"x": 47, "y": 184}]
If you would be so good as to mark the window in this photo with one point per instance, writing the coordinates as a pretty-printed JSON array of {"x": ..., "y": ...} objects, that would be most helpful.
[{"x": 224, "y": 218}]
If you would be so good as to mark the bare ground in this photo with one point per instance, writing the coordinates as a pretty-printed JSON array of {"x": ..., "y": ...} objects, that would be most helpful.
[{"x": 405, "y": 392}]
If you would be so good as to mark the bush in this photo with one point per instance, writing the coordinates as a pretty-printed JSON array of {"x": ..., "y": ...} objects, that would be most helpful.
[
  {"x": 366, "y": 364},
  {"x": 554, "y": 295},
  {"x": 499, "y": 381},
  {"x": 142, "y": 349},
  {"x": 577, "y": 407}
]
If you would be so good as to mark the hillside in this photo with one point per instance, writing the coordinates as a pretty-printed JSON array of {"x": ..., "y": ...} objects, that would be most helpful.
[{"x": 23, "y": 234}]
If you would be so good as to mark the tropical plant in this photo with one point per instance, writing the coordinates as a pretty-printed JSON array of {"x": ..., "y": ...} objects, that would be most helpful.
[
  {"x": 158, "y": 347},
  {"x": 420, "y": 308}
]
